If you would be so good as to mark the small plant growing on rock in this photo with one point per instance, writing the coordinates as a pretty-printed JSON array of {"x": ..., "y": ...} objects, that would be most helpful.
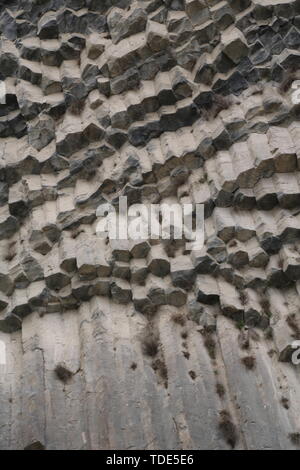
[
  {"x": 272, "y": 352},
  {"x": 63, "y": 373},
  {"x": 186, "y": 354},
  {"x": 243, "y": 297},
  {"x": 179, "y": 318},
  {"x": 228, "y": 429},
  {"x": 295, "y": 438},
  {"x": 254, "y": 335},
  {"x": 210, "y": 344},
  {"x": 285, "y": 402},
  {"x": 243, "y": 339},
  {"x": 150, "y": 346},
  {"x": 240, "y": 324},
  {"x": 150, "y": 340},
  {"x": 220, "y": 389},
  {"x": 160, "y": 367},
  {"x": 192, "y": 374},
  {"x": 265, "y": 305},
  {"x": 291, "y": 321},
  {"x": 249, "y": 362},
  {"x": 76, "y": 233},
  {"x": 268, "y": 333}
]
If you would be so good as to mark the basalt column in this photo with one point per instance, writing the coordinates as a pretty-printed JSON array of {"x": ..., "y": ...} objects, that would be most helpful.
[{"x": 109, "y": 344}]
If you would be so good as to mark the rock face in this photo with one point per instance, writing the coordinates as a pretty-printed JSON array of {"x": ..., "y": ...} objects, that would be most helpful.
[{"x": 110, "y": 344}]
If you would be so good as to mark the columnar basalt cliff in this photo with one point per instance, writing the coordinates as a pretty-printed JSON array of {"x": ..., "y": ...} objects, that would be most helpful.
[{"x": 146, "y": 345}]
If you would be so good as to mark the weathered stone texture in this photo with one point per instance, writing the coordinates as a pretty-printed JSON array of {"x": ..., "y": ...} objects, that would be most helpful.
[{"x": 144, "y": 344}]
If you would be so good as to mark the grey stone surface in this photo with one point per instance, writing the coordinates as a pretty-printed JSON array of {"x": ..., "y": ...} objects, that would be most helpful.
[{"x": 145, "y": 344}]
